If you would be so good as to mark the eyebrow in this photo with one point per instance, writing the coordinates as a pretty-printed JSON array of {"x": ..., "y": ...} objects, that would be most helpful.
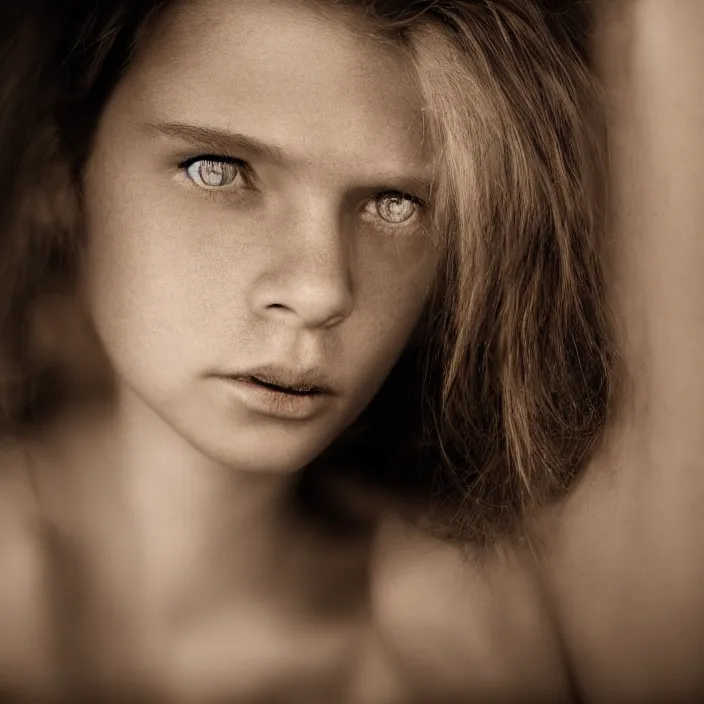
[{"x": 218, "y": 141}]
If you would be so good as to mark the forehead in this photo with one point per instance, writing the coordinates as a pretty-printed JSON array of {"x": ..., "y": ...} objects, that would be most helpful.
[{"x": 281, "y": 69}]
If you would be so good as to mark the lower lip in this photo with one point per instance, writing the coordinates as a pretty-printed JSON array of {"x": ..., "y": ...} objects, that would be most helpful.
[{"x": 278, "y": 404}]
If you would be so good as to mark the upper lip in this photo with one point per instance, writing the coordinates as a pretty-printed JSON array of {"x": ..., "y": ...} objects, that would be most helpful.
[{"x": 310, "y": 380}]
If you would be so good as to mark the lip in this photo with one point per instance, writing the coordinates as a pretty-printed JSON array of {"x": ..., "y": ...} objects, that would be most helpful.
[
  {"x": 281, "y": 392},
  {"x": 309, "y": 380}
]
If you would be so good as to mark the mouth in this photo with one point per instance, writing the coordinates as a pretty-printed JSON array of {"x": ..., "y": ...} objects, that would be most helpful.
[
  {"x": 280, "y": 392},
  {"x": 287, "y": 380},
  {"x": 301, "y": 389}
]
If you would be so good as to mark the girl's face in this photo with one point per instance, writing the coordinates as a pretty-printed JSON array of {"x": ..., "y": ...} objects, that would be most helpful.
[{"x": 255, "y": 221}]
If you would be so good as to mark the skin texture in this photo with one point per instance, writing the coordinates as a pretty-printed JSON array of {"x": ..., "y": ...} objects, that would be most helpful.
[
  {"x": 157, "y": 536},
  {"x": 150, "y": 559},
  {"x": 291, "y": 265},
  {"x": 619, "y": 575}
]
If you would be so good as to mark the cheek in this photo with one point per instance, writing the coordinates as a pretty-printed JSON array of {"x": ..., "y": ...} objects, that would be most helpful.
[
  {"x": 165, "y": 289},
  {"x": 150, "y": 285},
  {"x": 393, "y": 295},
  {"x": 140, "y": 238},
  {"x": 395, "y": 279}
]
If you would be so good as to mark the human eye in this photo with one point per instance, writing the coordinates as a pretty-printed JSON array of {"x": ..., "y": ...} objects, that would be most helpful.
[
  {"x": 394, "y": 209},
  {"x": 212, "y": 172}
]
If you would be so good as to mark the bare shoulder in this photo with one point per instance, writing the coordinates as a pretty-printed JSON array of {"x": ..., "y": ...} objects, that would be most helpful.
[
  {"x": 22, "y": 625},
  {"x": 465, "y": 628}
]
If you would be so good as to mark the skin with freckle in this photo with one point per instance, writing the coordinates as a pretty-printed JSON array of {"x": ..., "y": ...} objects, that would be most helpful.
[
  {"x": 489, "y": 334},
  {"x": 289, "y": 264},
  {"x": 272, "y": 195}
]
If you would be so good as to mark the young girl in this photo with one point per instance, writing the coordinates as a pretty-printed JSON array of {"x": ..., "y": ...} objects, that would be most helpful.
[{"x": 272, "y": 270}]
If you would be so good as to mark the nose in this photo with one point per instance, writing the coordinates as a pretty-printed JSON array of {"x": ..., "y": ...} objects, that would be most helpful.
[{"x": 307, "y": 281}]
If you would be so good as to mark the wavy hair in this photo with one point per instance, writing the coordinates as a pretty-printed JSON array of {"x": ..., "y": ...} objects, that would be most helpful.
[{"x": 498, "y": 406}]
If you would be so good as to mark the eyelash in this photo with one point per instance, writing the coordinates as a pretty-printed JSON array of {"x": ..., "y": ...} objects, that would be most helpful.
[{"x": 245, "y": 172}]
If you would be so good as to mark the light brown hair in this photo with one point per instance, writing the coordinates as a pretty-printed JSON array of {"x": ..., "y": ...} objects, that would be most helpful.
[{"x": 510, "y": 386}]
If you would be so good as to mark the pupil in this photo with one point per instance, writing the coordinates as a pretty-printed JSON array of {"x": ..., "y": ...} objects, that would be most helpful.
[
  {"x": 395, "y": 209},
  {"x": 213, "y": 173}
]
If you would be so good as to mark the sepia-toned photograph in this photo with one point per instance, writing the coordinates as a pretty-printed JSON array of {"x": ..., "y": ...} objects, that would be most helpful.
[{"x": 352, "y": 351}]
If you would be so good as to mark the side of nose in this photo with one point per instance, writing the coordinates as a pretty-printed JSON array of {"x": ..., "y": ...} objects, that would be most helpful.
[{"x": 307, "y": 279}]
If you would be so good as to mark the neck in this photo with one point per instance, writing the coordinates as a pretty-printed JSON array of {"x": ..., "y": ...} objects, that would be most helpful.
[
  {"x": 195, "y": 520},
  {"x": 155, "y": 520}
]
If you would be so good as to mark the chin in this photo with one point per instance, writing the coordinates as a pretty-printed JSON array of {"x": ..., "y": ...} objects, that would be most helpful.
[
  {"x": 227, "y": 435},
  {"x": 265, "y": 452}
]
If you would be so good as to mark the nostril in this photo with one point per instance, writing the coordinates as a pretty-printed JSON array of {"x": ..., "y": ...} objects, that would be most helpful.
[{"x": 306, "y": 303}]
